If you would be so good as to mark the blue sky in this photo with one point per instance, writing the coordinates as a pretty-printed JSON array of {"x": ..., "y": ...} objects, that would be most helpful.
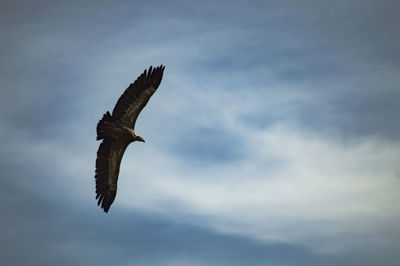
[{"x": 272, "y": 140}]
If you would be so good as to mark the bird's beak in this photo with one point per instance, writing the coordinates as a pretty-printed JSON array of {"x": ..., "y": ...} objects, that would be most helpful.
[{"x": 139, "y": 138}]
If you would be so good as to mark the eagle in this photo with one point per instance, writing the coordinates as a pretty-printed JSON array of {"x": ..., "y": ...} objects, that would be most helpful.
[{"x": 116, "y": 131}]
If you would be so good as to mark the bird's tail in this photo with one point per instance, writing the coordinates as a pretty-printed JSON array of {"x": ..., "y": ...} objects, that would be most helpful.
[{"x": 100, "y": 126}]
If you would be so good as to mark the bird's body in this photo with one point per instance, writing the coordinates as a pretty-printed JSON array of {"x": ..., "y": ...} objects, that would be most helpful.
[{"x": 117, "y": 132}]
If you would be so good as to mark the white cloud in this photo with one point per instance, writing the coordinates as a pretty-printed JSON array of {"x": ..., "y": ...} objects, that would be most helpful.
[
  {"x": 307, "y": 187},
  {"x": 294, "y": 186}
]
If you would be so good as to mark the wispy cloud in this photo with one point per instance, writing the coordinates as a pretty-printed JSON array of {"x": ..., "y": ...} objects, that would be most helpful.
[
  {"x": 276, "y": 124},
  {"x": 294, "y": 187}
]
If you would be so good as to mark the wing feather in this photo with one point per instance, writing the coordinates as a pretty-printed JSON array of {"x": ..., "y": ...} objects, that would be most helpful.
[
  {"x": 136, "y": 96},
  {"x": 108, "y": 161}
]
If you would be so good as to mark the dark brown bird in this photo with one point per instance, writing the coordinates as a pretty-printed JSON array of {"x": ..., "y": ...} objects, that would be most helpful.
[{"x": 117, "y": 132}]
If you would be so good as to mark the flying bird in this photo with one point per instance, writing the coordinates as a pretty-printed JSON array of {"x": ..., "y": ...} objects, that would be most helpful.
[{"x": 117, "y": 132}]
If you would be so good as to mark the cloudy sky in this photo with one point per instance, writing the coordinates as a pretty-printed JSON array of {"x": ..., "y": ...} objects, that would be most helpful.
[{"x": 274, "y": 138}]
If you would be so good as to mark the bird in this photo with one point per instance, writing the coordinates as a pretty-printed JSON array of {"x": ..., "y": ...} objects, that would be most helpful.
[{"x": 116, "y": 130}]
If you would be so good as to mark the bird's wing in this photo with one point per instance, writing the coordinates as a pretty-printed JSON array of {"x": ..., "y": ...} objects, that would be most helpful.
[
  {"x": 136, "y": 96},
  {"x": 108, "y": 161}
]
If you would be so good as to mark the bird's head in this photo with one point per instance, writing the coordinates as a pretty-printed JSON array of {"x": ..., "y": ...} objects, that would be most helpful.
[{"x": 139, "y": 138}]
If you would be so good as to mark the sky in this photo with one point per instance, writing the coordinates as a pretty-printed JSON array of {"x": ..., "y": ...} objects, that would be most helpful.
[{"x": 273, "y": 139}]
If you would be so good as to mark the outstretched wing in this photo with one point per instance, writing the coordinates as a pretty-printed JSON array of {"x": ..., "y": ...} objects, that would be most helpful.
[
  {"x": 108, "y": 161},
  {"x": 136, "y": 96}
]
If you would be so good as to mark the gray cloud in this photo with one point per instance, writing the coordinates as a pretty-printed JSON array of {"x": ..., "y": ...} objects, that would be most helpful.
[
  {"x": 75, "y": 232},
  {"x": 298, "y": 104}
]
